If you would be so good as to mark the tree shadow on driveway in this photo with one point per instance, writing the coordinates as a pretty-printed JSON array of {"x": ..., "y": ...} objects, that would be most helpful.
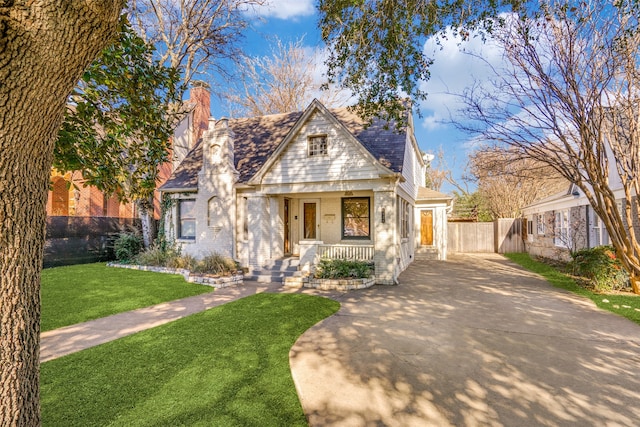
[{"x": 475, "y": 340}]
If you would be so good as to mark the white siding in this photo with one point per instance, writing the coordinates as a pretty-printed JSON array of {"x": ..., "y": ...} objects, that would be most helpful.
[
  {"x": 331, "y": 220},
  {"x": 411, "y": 170},
  {"x": 345, "y": 160}
]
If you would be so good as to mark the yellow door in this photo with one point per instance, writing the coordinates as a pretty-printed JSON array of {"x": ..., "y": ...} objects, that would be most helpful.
[{"x": 426, "y": 228}]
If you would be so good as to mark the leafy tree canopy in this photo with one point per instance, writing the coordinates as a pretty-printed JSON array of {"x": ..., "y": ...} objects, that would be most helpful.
[
  {"x": 119, "y": 119},
  {"x": 376, "y": 46}
]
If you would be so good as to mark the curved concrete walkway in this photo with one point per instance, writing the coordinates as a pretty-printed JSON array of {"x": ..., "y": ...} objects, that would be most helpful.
[
  {"x": 474, "y": 341},
  {"x": 70, "y": 339}
]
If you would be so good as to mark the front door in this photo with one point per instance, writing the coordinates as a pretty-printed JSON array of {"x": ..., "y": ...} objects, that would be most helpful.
[
  {"x": 310, "y": 219},
  {"x": 287, "y": 227},
  {"x": 426, "y": 228}
]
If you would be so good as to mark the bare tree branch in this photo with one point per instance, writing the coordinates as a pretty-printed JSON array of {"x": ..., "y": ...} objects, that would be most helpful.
[
  {"x": 200, "y": 36},
  {"x": 284, "y": 81},
  {"x": 569, "y": 98}
]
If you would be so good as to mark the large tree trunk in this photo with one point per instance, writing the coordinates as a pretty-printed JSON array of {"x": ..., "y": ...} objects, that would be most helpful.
[{"x": 44, "y": 46}]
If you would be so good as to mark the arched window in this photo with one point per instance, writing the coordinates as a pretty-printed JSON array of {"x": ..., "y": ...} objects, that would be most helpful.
[
  {"x": 60, "y": 197},
  {"x": 214, "y": 211}
]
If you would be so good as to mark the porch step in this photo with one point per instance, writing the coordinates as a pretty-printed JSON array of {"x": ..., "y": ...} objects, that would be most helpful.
[
  {"x": 426, "y": 253},
  {"x": 275, "y": 271},
  {"x": 282, "y": 264}
]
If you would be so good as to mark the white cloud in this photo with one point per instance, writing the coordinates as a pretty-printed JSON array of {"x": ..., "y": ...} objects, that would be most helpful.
[
  {"x": 456, "y": 66},
  {"x": 286, "y": 9}
]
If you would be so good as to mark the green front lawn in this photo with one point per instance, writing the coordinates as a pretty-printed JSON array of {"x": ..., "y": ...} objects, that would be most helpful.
[
  {"x": 227, "y": 366},
  {"x": 79, "y": 293},
  {"x": 624, "y": 304}
]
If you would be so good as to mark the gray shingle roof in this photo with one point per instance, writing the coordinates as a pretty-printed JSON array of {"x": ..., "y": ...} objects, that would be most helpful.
[
  {"x": 257, "y": 138},
  {"x": 429, "y": 194}
]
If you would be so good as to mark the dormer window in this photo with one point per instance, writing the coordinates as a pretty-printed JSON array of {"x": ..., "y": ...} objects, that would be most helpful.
[{"x": 317, "y": 145}]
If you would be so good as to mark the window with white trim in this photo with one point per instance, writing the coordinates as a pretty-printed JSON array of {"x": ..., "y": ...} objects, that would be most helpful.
[
  {"x": 317, "y": 145},
  {"x": 562, "y": 237},
  {"x": 186, "y": 219},
  {"x": 599, "y": 235},
  {"x": 356, "y": 221},
  {"x": 403, "y": 217},
  {"x": 541, "y": 227}
]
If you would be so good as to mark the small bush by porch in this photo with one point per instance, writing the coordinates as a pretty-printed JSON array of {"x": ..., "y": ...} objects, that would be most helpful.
[{"x": 337, "y": 274}]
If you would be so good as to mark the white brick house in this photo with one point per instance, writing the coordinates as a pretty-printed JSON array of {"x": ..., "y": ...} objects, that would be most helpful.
[
  {"x": 316, "y": 183},
  {"x": 566, "y": 222}
]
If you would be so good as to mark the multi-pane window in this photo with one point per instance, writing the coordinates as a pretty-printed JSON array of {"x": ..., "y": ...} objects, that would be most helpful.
[
  {"x": 356, "y": 222},
  {"x": 561, "y": 235},
  {"x": 403, "y": 215},
  {"x": 599, "y": 235},
  {"x": 541, "y": 228},
  {"x": 317, "y": 145},
  {"x": 186, "y": 219}
]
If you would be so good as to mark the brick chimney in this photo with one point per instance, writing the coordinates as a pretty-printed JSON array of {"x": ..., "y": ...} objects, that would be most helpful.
[{"x": 200, "y": 97}]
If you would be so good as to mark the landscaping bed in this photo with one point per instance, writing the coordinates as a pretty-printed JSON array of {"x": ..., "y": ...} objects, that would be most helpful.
[
  {"x": 330, "y": 284},
  {"x": 213, "y": 269},
  {"x": 213, "y": 280},
  {"x": 336, "y": 274}
]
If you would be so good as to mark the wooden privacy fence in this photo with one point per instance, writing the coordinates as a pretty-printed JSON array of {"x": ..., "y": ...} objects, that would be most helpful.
[
  {"x": 501, "y": 236},
  {"x": 78, "y": 240}
]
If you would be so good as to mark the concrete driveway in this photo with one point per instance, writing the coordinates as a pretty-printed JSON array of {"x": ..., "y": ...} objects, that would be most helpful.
[{"x": 473, "y": 341}]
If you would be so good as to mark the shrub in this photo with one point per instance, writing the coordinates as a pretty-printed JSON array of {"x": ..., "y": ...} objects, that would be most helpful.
[
  {"x": 126, "y": 246},
  {"x": 216, "y": 264},
  {"x": 187, "y": 262},
  {"x": 157, "y": 255},
  {"x": 168, "y": 255},
  {"x": 601, "y": 267},
  {"x": 343, "y": 269}
]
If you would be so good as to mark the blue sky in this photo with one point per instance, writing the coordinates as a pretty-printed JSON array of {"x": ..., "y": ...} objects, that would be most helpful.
[{"x": 291, "y": 19}]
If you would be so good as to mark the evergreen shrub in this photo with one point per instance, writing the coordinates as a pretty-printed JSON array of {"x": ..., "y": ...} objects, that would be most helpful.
[{"x": 601, "y": 268}]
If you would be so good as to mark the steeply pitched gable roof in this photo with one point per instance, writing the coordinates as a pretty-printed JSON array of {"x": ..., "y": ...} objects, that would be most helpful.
[
  {"x": 386, "y": 145},
  {"x": 257, "y": 138}
]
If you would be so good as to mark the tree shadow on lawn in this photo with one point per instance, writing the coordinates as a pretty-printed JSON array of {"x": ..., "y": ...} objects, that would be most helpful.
[{"x": 226, "y": 366}]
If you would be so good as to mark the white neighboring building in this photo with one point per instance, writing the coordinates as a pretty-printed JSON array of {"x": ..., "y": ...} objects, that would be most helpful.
[
  {"x": 311, "y": 184},
  {"x": 564, "y": 222}
]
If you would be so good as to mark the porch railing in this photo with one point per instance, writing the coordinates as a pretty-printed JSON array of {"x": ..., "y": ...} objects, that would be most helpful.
[{"x": 350, "y": 252}]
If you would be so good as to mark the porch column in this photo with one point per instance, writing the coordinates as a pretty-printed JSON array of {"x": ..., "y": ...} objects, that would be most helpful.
[
  {"x": 276, "y": 229},
  {"x": 259, "y": 229},
  {"x": 386, "y": 249}
]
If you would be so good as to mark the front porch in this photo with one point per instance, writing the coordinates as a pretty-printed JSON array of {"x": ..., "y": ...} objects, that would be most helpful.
[
  {"x": 282, "y": 269},
  {"x": 351, "y": 225}
]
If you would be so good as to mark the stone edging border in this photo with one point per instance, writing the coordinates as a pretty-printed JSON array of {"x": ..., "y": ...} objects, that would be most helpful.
[
  {"x": 330, "y": 284},
  {"x": 215, "y": 282}
]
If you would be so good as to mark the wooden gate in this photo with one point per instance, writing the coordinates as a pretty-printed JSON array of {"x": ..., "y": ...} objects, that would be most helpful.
[{"x": 501, "y": 236}]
